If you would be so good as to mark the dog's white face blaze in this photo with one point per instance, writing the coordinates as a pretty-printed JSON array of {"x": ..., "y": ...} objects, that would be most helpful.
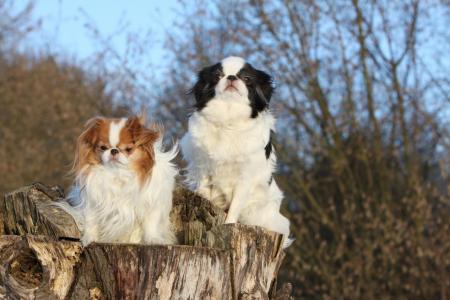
[
  {"x": 114, "y": 132},
  {"x": 231, "y": 67},
  {"x": 114, "y": 139}
]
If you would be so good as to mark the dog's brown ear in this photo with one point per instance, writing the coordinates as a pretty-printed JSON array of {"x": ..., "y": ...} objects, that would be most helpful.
[
  {"x": 142, "y": 116},
  {"x": 141, "y": 134},
  {"x": 85, "y": 146},
  {"x": 134, "y": 125},
  {"x": 144, "y": 139},
  {"x": 147, "y": 137},
  {"x": 91, "y": 132}
]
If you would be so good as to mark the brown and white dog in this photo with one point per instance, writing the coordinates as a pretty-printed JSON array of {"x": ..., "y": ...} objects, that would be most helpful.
[{"x": 124, "y": 182}]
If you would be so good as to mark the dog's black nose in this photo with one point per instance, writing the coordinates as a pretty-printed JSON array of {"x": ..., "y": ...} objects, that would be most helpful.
[
  {"x": 231, "y": 77},
  {"x": 114, "y": 151}
]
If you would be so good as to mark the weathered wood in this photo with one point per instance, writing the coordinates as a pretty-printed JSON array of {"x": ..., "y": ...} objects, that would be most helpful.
[
  {"x": 284, "y": 293},
  {"x": 2, "y": 230},
  {"x": 230, "y": 261},
  {"x": 153, "y": 272},
  {"x": 241, "y": 262},
  {"x": 28, "y": 211},
  {"x": 192, "y": 216},
  {"x": 36, "y": 267},
  {"x": 256, "y": 256}
]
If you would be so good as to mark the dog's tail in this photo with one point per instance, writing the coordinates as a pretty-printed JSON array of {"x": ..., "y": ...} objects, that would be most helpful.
[
  {"x": 162, "y": 184},
  {"x": 165, "y": 156},
  {"x": 287, "y": 241},
  {"x": 72, "y": 205}
]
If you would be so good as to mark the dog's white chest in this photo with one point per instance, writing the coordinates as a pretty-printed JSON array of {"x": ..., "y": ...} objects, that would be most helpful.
[
  {"x": 228, "y": 143},
  {"x": 221, "y": 156},
  {"x": 112, "y": 196}
]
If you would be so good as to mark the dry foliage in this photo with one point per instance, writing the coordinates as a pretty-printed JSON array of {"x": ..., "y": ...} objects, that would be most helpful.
[
  {"x": 44, "y": 103},
  {"x": 44, "y": 107}
]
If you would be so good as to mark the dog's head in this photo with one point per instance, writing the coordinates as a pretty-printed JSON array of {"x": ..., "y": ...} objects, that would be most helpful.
[
  {"x": 125, "y": 143},
  {"x": 233, "y": 79}
]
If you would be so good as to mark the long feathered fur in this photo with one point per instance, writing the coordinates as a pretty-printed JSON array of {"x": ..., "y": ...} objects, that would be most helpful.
[{"x": 111, "y": 203}]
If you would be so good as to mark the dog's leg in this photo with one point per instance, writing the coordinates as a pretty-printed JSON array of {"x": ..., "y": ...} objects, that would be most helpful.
[
  {"x": 204, "y": 187},
  {"x": 156, "y": 229},
  {"x": 269, "y": 217},
  {"x": 240, "y": 195},
  {"x": 90, "y": 230},
  {"x": 150, "y": 228}
]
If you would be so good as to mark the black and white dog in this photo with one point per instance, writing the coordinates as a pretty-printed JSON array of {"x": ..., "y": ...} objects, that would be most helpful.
[{"x": 228, "y": 145}]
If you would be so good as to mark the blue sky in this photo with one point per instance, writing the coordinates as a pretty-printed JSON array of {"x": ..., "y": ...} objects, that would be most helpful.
[{"x": 64, "y": 30}]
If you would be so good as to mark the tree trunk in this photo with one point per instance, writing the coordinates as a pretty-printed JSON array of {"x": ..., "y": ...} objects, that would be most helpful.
[{"x": 41, "y": 256}]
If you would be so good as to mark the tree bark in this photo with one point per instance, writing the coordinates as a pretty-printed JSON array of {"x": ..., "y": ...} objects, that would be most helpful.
[
  {"x": 256, "y": 255},
  {"x": 36, "y": 267},
  {"x": 153, "y": 272},
  {"x": 41, "y": 256},
  {"x": 28, "y": 211}
]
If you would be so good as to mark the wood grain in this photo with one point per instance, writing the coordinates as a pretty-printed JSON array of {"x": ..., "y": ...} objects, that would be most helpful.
[{"x": 41, "y": 256}]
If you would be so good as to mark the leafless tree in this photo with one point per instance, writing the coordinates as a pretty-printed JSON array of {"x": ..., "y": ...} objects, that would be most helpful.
[
  {"x": 363, "y": 102},
  {"x": 44, "y": 100}
]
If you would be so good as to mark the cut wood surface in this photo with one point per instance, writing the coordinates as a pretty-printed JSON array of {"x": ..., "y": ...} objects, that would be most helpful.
[{"x": 41, "y": 257}]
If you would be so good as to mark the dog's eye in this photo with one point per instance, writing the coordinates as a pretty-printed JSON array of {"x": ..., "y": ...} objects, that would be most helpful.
[
  {"x": 218, "y": 75},
  {"x": 103, "y": 148},
  {"x": 247, "y": 79},
  {"x": 128, "y": 149}
]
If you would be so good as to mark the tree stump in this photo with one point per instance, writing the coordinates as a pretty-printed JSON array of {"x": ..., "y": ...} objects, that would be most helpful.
[
  {"x": 28, "y": 211},
  {"x": 41, "y": 256},
  {"x": 36, "y": 267}
]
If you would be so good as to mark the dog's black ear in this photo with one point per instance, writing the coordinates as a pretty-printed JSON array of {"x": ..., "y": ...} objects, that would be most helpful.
[
  {"x": 264, "y": 86},
  {"x": 260, "y": 91},
  {"x": 200, "y": 85},
  {"x": 203, "y": 89}
]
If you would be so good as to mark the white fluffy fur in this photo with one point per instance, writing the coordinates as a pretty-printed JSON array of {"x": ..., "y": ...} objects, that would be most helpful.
[
  {"x": 224, "y": 149},
  {"x": 109, "y": 204}
]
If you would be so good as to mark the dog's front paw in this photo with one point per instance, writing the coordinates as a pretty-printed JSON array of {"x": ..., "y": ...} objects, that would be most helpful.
[
  {"x": 86, "y": 240},
  {"x": 287, "y": 241}
]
